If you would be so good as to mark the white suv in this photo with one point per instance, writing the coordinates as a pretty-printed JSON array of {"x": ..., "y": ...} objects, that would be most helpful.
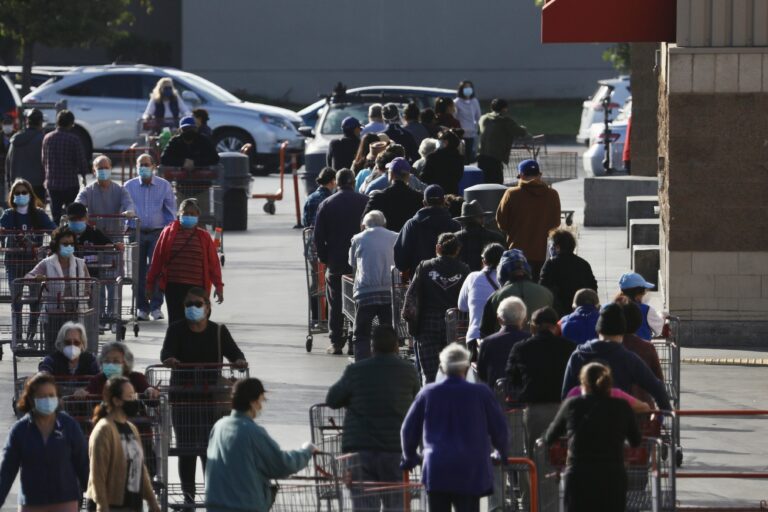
[
  {"x": 108, "y": 102},
  {"x": 592, "y": 111}
]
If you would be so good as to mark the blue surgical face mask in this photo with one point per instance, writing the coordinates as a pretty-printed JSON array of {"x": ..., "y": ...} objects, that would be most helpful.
[
  {"x": 65, "y": 251},
  {"x": 77, "y": 226},
  {"x": 112, "y": 369},
  {"x": 103, "y": 174},
  {"x": 145, "y": 172},
  {"x": 46, "y": 406},
  {"x": 194, "y": 313},
  {"x": 188, "y": 221},
  {"x": 467, "y": 91},
  {"x": 21, "y": 199}
]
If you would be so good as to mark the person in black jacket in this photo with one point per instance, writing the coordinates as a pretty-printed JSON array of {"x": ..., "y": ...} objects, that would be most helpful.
[
  {"x": 416, "y": 241},
  {"x": 337, "y": 221},
  {"x": 397, "y": 133},
  {"x": 398, "y": 202},
  {"x": 597, "y": 426},
  {"x": 25, "y": 155},
  {"x": 341, "y": 152},
  {"x": 445, "y": 167},
  {"x": 474, "y": 237},
  {"x": 495, "y": 349},
  {"x": 189, "y": 149},
  {"x": 437, "y": 283},
  {"x": 564, "y": 273}
]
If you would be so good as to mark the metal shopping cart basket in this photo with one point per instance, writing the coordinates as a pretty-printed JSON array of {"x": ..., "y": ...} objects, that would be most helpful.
[
  {"x": 317, "y": 307},
  {"x": 20, "y": 251},
  {"x": 317, "y": 488},
  {"x": 555, "y": 165},
  {"x": 358, "y": 493},
  {"x": 400, "y": 281},
  {"x": 456, "y": 325},
  {"x": 153, "y": 424},
  {"x": 66, "y": 385},
  {"x": 105, "y": 263},
  {"x": 326, "y": 428}
]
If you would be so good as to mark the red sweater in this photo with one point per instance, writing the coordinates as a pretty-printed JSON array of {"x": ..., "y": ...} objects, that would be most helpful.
[{"x": 162, "y": 257}]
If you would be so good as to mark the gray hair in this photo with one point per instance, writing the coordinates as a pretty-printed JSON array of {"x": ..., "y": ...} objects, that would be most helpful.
[
  {"x": 119, "y": 347},
  {"x": 144, "y": 155},
  {"x": 428, "y": 146},
  {"x": 189, "y": 202},
  {"x": 512, "y": 311},
  {"x": 71, "y": 326},
  {"x": 454, "y": 359},
  {"x": 374, "y": 219},
  {"x": 99, "y": 159}
]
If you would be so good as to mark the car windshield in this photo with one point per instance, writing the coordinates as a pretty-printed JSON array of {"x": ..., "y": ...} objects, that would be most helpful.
[
  {"x": 209, "y": 88},
  {"x": 339, "y": 111}
]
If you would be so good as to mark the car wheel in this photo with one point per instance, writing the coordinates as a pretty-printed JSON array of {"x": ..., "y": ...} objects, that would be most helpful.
[
  {"x": 230, "y": 139},
  {"x": 86, "y": 140}
]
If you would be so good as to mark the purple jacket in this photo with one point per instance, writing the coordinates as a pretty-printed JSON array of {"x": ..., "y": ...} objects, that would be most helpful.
[
  {"x": 337, "y": 221},
  {"x": 456, "y": 422}
]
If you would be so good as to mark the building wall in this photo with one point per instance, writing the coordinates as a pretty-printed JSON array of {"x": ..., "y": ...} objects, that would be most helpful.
[
  {"x": 295, "y": 49},
  {"x": 645, "y": 105}
]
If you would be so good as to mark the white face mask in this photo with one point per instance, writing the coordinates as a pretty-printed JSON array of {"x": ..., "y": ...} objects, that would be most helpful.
[
  {"x": 71, "y": 352},
  {"x": 7, "y": 129}
]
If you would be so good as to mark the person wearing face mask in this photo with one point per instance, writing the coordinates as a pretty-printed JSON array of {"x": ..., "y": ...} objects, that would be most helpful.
[
  {"x": 468, "y": 114},
  {"x": 105, "y": 197},
  {"x": 70, "y": 356},
  {"x": 189, "y": 149},
  {"x": 49, "y": 448},
  {"x": 63, "y": 266},
  {"x": 165, "y": 106},
  {"x": 119, "y": 478},
  {"x": 184, "y": 257},
  {"x": 156, "y": 208},
  {"x": 195, "y": 340},
  {"x": 243, "y": 457},
  {"x": 116, "y": 360}
]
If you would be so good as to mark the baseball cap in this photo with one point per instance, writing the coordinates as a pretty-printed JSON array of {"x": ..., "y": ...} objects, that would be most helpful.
[
  {"x": 399, "y": 166},
  {"x": 634, "y": 280},
  {"x": 390, "y": 112},
  {"x": 349, "y": 123},
  {"x": 187, "y": 121},
  {"x": 433, "y": 192},
  {"x": 529, "y": 168}
]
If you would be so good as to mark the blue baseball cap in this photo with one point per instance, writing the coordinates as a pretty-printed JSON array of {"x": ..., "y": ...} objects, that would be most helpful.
[
  {"x": 433, "y": 192},
  {"x": 399, "y": 166},
  {"x": 529, "y": 168},
  {"x": 350, "y": 123},
  {"x": 187, "y": 121},
  {"x": 634, "y": 280}
]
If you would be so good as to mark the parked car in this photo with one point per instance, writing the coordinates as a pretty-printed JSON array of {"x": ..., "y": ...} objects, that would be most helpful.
[
  {"x": 593, "y": 107},
  {"x": 108, "y": 102},
  {"x": 593, "y": 157},
  {"x": 39, "y": 75},
  {"x": 10, "y": 102},
  {"x": 311, "y": 113}
]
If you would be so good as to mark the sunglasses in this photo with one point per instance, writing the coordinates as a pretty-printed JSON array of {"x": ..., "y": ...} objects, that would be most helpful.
[{"x": 196, "y": 303}]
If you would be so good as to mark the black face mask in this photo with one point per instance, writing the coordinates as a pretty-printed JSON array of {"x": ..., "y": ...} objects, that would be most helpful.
[
  {"x": 131, "y": 408},
  {"x": 188, "y": 136}
]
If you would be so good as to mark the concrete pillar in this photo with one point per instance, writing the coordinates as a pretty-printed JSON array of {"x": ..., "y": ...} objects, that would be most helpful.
[{"x": 645, "y": 104}]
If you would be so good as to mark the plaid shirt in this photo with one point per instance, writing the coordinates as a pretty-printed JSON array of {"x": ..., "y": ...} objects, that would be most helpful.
[
  {"x": 63, "y": 159},
  {"x": 374, "y": 299}
]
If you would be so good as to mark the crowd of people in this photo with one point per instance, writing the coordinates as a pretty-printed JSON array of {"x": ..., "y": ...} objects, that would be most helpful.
[{"x": 388, "y": 200}]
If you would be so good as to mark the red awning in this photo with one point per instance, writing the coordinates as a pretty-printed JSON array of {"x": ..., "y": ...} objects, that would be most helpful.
[{"x": 608, "y": 21}]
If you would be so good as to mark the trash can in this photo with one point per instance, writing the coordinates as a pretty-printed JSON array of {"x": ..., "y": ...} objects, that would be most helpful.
[
  {"x": 235, "y": 182},
  {"x": 489, "y": 196}
]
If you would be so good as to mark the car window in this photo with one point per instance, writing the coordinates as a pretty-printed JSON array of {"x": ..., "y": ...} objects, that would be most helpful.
[
  {"x": 205, "y": 87},
  {"x": 123, "y": 86},
  {"x": 339, "y": 111}
]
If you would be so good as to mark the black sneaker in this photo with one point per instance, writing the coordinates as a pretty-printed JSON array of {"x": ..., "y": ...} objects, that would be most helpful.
[{"x": 334, "y": 351}]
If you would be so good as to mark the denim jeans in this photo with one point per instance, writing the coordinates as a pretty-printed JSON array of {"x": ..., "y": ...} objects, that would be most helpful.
[
  {"x": 364, "y": 324},
  {"x": 335, "y": 311},
  {"x": 375, "y": 466},
  {"x": 147, "y": 243}
]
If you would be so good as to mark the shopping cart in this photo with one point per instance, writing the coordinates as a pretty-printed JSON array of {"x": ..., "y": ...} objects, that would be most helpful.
[
  {"x": 105, "y": 263},
  {"x": 349, "y": 306},
  {"x": 326, "y": 428},
  {"x": 198, "y": 396},
  {"x": 669, "y": 356},
  {"x": 555, "y": 165},
  {"x": 317, "y": 309},
  {"x": 317, "y": 488},
  {"x": 20, "y": 251},
  {"x": 65, "y": 385},
  {"x": 456, "y": 325},
  {"x": 400, "y": 282},
  {"x": 358, "y": 493},
  {"x": 153, "y": 425}
]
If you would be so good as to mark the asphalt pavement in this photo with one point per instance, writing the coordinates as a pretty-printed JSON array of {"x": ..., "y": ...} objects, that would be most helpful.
[{"x": 265, "y": 307}]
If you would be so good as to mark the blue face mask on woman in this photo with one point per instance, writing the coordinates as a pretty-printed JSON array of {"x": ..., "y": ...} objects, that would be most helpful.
[
  {"x": 194, "y": 313},
  {"x": 65, "y": 251},
  {"x": 77, "y": 226},
  {"x": 46, "y": 406},
  {"x": 112, "y": 369},
  {"x": 188, "y": 221},
  {"x": 467, "y": 91},
  {"x": 21, "y": 199}
]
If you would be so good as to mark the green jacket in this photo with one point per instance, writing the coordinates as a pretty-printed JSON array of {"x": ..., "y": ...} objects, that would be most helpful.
[
  {"x": 533, "y": 295},
  {"x": 497, "y": 132},
  {"x": 242, "y": 459},
  {"x": 377, "y": 393}
]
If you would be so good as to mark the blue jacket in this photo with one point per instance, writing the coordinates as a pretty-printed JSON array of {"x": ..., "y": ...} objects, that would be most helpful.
[
  {"x": 644, "y": 331},
  {"x": 312, "y": 204},
  {"x": 54, "y": 472},
  {"x": 416, "y": 241},
  {"x": 627, "y": 369},
  {"x": 242, "y": 459},
  {"x": 581, "y": 325},
  {"x": 494, "y": 352},
  {"x": 456, "y": 422},
  {"x": 337, "y": 221}
]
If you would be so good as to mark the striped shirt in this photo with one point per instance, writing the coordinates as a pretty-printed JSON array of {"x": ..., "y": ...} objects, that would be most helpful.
[
  {"x": 63, "y": 160},
  {"x": 154, "y": 201},
  {"x": 186, "y": 263}
]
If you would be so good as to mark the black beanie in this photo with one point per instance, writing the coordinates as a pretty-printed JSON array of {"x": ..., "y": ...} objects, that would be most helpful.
[{"x": 611, "y": 321}]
